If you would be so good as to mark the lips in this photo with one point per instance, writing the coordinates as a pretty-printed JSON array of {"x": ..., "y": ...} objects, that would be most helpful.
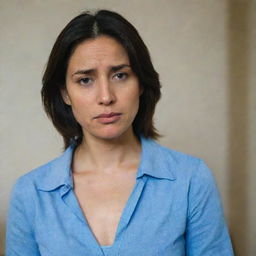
[
  {"x": 108, "y": 115},
  {"x": 106, "y": 118}
]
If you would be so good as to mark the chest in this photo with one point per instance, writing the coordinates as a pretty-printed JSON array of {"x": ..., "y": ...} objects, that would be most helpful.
[
  {"x": 102, "y": 199},
  {"x": 153, "y": 222}
]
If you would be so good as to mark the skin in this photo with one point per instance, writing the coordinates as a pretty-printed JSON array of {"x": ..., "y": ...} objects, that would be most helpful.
[
  {"x": 99, "y": 80},
  {"x": 102, "y": 90}
]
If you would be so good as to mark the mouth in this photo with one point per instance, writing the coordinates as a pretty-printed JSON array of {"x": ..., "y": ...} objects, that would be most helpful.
[
  {"x": 106, "y": 118},
  {"x": 108, "y": 115}
]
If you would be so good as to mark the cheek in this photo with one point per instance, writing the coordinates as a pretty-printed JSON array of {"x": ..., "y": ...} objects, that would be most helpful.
[
  {"x": 135, "y": 95},
  {"x": 80, "y": 109},
  {"x": 133, "y": 101},
  {"x": 79, "y": 101}
]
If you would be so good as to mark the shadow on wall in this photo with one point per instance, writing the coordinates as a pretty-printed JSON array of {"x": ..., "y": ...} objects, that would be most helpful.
[{"x": 239, "y": 59}]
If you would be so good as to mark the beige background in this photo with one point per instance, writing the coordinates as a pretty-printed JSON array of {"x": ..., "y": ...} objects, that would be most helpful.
[{"x": 205, "y": 53}]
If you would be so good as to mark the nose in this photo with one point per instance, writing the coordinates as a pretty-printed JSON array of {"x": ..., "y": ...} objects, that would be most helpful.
[{"x": 106, "y": 94}]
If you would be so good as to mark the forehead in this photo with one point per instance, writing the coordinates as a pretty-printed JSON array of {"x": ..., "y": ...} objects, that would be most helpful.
[{"x": 103, "y": 51}]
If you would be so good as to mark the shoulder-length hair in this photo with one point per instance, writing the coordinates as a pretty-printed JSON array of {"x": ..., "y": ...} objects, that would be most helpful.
[{"x": 88, "y": 26}]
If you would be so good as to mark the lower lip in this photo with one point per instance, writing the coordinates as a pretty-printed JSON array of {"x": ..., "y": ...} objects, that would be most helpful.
[{"x": 107, "y": 120}]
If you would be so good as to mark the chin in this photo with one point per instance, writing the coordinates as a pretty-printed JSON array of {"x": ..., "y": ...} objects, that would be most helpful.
[{"x": 111, "y": 134}]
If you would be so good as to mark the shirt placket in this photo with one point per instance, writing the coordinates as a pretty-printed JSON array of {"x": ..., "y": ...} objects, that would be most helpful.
[
  {"x": 95, "y": 249},
  {"x": 126, "y": 217},
  {"x": 69, "y": 198}
]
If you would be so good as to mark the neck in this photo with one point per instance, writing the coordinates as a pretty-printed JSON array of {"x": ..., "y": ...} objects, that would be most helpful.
[{"x": 106, "y": 155}]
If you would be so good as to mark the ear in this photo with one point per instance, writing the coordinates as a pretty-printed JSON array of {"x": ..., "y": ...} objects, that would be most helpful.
[{"x": 65, "y": 96}]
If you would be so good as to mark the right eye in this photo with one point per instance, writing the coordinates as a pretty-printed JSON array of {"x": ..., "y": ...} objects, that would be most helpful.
[{"x": 85, "y": 81}]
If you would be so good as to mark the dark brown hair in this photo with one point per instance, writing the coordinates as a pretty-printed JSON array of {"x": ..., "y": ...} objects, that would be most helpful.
[{"x": 87, "y": 26}]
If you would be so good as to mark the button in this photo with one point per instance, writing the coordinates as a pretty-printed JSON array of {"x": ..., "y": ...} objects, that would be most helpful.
[{"x": 65, "y": 188}]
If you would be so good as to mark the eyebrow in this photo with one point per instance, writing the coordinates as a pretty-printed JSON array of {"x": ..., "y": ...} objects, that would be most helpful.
[{"x": 90, "y": 71}]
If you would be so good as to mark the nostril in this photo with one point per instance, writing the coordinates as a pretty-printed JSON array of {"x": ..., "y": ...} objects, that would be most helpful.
[
  {"x": 106, "y": 98},
  {"x": 107, "y": 102}
]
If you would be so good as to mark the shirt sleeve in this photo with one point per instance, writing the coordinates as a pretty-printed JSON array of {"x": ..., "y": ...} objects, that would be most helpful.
[
  {"x": 207, "y": 233},
  {"x": 19, "y": 234}
]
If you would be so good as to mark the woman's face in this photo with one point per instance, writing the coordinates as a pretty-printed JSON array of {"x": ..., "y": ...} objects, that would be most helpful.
[{"x": 102, "y": 89}]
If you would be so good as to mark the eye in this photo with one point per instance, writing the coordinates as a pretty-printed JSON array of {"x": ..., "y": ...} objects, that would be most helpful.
[
  {"x": 121, "y": 76},
  {"x": 85, "y": 81}
]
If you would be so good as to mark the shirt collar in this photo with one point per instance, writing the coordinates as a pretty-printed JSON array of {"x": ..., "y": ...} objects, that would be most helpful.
[
  {"x": 156, "y": 161},
  {"x": 57, "y": 172}
]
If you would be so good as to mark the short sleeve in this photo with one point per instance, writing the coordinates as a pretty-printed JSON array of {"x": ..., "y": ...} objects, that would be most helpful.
[
  {"x": 206, "y": 233},
  {"x": 19, "y": 234}
]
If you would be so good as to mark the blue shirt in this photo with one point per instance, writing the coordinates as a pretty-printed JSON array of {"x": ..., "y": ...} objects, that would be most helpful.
[{"x": 174, "y": 210}]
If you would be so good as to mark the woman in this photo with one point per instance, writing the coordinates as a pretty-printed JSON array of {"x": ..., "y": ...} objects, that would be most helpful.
[{"x": 114, "y": 191}]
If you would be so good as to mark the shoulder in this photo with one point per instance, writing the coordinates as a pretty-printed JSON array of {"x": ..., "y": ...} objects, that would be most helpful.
[
  {"x": 193, "y": 176},
  {"x": 182, "y": 164},
  {"x": 26, "y": 185},
  {"x": 190, "y": 166},
  {"x": 36, "y": 175},
  {"x": 178, "y": 157},
  {"x": 47, "y": 176}
]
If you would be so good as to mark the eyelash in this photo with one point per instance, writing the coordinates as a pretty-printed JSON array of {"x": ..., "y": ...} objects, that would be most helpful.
[
  {"x": 82, "y": 81},
  {"x": 123, "y": 74},
  {"x": 88, "y": 80}
]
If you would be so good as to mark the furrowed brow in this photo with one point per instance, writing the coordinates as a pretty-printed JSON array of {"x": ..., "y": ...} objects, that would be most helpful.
[
  {"x": 116, "y": 68},
  {"x": 91, "y": 71},
  {"x": 84, "y": 72}
]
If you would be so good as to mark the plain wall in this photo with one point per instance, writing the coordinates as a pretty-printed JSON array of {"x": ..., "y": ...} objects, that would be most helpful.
[{"x": 204, "y": 51}]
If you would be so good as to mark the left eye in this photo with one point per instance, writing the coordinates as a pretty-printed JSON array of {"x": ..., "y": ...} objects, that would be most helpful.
[{"x": 120, "y": 76}]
